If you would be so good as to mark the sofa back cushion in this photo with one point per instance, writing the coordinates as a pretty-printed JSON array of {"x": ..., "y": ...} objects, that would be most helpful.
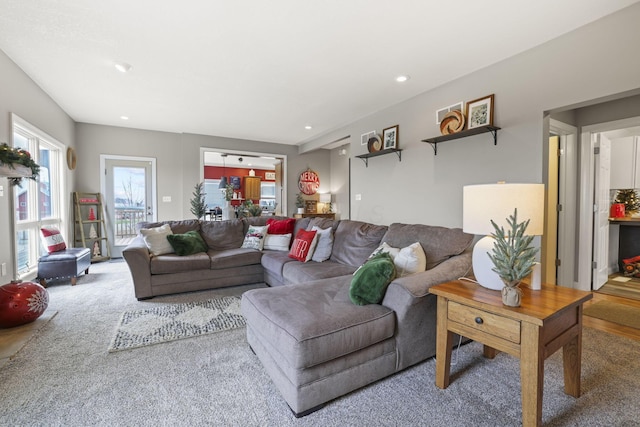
[
  {"x": 439, "y": 243},
  {"x": 177, "y": 227},
  {"x": 221, "y": 235},
  {"x": 353, "y": 241}
]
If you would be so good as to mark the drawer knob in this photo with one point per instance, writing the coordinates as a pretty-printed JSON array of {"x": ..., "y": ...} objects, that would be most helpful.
[{"x": 479, "y": 320}]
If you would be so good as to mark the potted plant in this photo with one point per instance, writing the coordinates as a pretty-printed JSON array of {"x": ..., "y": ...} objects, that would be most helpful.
[
  {"x": 198, "y": 205},
  {"x": 300, "y": 203},
  {"x": 228, "y": 211},
  {"x": 248, "y": 208},
  {"x": 513, "y": 257}
]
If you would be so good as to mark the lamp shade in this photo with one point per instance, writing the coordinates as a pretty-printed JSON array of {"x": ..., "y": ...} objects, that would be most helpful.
[
  {"x": 496, "y": 202},
  {"x": 325, "y": 198},
  {"x": 223, "y": 182},
  {"x": 484, "y": 203}
]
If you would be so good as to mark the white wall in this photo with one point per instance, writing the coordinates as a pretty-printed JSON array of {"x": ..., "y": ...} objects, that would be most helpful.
[
  {"x": 586, "y": 64},
  {"x": 20, "y": 95}
]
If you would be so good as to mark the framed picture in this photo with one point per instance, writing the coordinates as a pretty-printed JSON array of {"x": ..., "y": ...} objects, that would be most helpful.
[
  {"x": 390, "y": 137},
  {"x": 271, "y": 176},
  {"x": 365, "y": 137},
  {"x": 480, "y": 112},
  {"x": 235, "y": 181},
  {"x": 443, "y": 111},
  {"x": 310, "y": 206}
]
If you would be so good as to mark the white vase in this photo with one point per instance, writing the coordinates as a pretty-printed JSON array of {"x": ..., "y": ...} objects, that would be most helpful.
[
  {"x": 227, "y": 211},
  {"x": 300, "y": 210}
]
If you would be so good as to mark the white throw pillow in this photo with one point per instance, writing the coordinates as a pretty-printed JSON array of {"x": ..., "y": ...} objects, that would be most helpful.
[
  {"x": 254, "y": 239},
  {"x": 156, "y": 239},
  {"x": 384, "y": 247},
  {"x": 324, "y": 245},
  {"x": 277, "y": 242},
  {"x": 410, "y": 260}
]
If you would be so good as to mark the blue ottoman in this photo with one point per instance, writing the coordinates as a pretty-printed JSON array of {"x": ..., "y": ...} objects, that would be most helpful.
[{"x": 69, "y": 263}]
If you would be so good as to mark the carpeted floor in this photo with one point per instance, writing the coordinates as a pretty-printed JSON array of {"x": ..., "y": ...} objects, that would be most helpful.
[{"x": 64, "y": 376}]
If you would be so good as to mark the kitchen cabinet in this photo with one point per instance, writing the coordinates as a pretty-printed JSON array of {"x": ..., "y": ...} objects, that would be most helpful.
[
  {"x": 252, "y": 187},
  {"x": 625, "y": 163}
]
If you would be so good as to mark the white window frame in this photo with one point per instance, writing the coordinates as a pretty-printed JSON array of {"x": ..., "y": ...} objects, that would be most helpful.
[{"x": 57, "y": 185}]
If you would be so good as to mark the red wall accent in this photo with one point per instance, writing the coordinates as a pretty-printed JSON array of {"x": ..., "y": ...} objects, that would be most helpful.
[{"x": 215, "y": 172}]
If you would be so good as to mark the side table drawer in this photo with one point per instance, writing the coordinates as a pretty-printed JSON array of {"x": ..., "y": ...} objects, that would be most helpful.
[{"x": 489, "y": 323}]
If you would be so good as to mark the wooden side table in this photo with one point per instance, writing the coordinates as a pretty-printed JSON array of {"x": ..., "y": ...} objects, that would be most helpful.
[{"x": 547, "y": 320}]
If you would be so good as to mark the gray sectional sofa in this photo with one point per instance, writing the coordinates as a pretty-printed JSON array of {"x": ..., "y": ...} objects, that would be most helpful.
[{"x": 313, "y": 341}]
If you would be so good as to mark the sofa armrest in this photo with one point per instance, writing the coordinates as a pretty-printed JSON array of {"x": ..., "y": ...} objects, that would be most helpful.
[
  {"x": 138, "y": 258},
  {"x": 415, "y": 308}
]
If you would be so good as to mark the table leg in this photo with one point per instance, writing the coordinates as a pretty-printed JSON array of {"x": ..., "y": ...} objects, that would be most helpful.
[
  {"x": 444, "y": 341},
  {"x": 572, "y": 361},
  {"x": 531, "y": 374}
]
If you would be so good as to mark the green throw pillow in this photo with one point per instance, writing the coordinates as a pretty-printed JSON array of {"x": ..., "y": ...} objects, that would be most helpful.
[
  {"x": 369, "y": 283},
  {"x": 188, "y": 243}
]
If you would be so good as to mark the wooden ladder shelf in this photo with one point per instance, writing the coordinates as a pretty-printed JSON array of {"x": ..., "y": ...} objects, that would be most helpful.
[{"x": 90, "y": 230}]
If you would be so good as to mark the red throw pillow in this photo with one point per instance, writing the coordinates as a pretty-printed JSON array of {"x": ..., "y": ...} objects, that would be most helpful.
[
  {"x": 281, "y": 226},
  {"x": 303, "y": 245},
  {"x": 52, "y": 239}
]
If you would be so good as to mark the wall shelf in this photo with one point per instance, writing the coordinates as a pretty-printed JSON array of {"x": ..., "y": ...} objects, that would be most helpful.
[
  {"x": 469, "y": 132},
  {"x": 365, "y": 157}
]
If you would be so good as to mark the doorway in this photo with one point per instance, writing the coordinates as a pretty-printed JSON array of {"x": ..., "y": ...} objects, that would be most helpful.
[
  {"x": 128, "y": 184},
  {"x": 593, "y": 256}
]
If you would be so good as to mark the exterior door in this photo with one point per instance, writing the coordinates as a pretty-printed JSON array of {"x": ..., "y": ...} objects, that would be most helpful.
[
  {"x": 129, "y": 198},
  {"x": 601, "y": 219}
]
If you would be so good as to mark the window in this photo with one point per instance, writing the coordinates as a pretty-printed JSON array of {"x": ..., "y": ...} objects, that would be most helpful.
[
  {"x": 214, "y": 196},
  {"x": 39, "y": 202},
  {"x": 268, "y": 195}
]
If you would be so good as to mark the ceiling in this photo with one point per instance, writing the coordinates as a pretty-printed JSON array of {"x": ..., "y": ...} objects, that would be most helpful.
[{"x": 263, "y": 70}]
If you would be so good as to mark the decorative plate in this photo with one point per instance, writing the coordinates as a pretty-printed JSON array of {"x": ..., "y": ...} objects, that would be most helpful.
[
  {"x": 452, "y": 122},
  {"x": 374, "y": 144},
  {"x": 71, "y": 158}
]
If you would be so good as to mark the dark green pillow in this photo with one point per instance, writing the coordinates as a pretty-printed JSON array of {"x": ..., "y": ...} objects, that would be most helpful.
[
  {"x": 188, "y": 243},
  {"x": 369, "y": 283}
]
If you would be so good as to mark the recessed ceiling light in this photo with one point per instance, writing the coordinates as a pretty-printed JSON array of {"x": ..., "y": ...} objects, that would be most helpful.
[
  {"x": 308, "y": 127},
  {"x": 402, "y": 79},
  {"x": 124, "y": 117},
  {"x": 123, "y": 67}
]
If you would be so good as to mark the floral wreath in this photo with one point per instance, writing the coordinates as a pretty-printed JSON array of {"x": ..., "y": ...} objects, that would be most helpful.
[{"x": 12, "y": 156}]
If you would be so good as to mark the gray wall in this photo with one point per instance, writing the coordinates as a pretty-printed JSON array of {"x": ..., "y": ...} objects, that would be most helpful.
[
  {"x": 20, "y": 95},
  {"x": 586, "y": 64},
  {"x": 178, "y": 161}
]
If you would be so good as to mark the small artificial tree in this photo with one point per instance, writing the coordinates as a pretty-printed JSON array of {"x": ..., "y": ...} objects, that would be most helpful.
[
  {"x": 630, "y": 200},
  {"x": 512, "y": 257},
  {"x": 228, "y": 192},
  {"x": 299, "y": 201},
  {"x": 198, "y": 206}
]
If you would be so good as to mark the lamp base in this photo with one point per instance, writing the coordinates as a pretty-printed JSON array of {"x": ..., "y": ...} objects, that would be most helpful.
[{"x": 482, "y": 265}]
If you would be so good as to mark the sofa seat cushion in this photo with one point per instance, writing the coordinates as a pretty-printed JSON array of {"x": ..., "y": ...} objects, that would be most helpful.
[
  {"x": 314, "y": 323},
  {"x": 274, "y": 261},
  {"x": 298, "y": 272},
  {"x": 172, "y": 263},
  {"x": 234, "y": 258}
]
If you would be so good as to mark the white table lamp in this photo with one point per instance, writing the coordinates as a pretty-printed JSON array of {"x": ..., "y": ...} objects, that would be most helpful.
[
  {"x": 325, "y": 198},
  {"x": 483, "y": 203}
]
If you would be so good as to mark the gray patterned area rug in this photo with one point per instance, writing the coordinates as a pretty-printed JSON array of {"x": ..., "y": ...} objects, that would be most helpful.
[{"x": 176, "y": 321}]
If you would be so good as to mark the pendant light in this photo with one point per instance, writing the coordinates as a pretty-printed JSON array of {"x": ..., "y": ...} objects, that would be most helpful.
[{"x": 223, "y": 181}]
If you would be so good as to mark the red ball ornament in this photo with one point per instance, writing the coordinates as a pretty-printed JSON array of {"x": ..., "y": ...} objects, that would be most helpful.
[{"x": 21, "y": 302}]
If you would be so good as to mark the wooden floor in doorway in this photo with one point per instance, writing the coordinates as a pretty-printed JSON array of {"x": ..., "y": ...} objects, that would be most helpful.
[{"x": 611, "y": 327}]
